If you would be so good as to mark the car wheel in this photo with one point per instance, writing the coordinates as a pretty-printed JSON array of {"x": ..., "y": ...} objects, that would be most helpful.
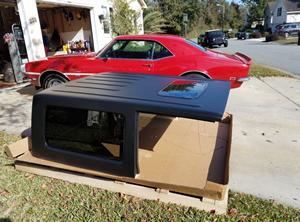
[
  {"x": 195, "y": 75},
  {"x": 226, "y": 44},
  {"x": 286, "y": 34},
  {"x": 53, "y": 80}
]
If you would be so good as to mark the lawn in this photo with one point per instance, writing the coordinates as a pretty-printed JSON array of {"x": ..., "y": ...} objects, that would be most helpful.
[
  {"x": 257, "y": 70},
  {"x": 29, "y": 197}
]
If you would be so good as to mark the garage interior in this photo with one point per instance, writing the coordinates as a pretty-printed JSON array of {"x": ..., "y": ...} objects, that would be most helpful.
[{"x": 59, "y": 24}]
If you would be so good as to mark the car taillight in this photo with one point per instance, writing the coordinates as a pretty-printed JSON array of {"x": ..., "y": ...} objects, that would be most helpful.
[{"x": 279, "y": 30}]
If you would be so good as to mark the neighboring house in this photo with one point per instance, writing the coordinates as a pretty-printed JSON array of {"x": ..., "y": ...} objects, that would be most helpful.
[
  {"x": 285, "y": 11},
  {"x": 269, "y": 11}
]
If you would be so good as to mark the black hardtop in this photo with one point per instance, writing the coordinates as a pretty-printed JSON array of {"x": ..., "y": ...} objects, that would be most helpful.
[{"x": 141, "y": 92}]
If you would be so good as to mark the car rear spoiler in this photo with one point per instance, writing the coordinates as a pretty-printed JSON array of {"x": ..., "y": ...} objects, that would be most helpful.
[{"x": 245, "y": 59}]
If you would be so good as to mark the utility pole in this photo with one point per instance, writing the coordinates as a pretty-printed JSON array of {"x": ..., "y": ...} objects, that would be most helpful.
[{"x": 185, "y": 20}]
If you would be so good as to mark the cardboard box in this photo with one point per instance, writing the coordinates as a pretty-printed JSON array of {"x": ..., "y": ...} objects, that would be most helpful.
[{"x": 177, "y": 154}]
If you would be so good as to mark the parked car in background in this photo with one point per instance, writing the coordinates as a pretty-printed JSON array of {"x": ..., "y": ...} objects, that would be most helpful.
[
  {"x": 201, "y": 38},
  {"x": 149, "y": 54},
  {"x": 288, "y": 30},
  {"x": 213, "y": 37}
]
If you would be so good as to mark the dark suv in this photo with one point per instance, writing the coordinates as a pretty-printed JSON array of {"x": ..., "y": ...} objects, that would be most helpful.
[
  {"x": 289, "y": 29},
  {"x": 213, "y": 37}
]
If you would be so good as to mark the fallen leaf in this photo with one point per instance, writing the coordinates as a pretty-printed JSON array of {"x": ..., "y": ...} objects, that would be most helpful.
[
  {"x": 213, "y": 211},
  {"x": 170, "y": 210},
  {"x": 44, "y": 217},
  {"x": 126, "y": 216},
  {"x": 150, "y": 215},
  {"x": 53, "y": 180},
  {"x": 233, "y": 211},
  {"x": 61, "y": 194},
  {"x": 121, "y": 195},
  {"x": 294, "y": 140},
  {"x": 31, "y": 176},
  {"x": 135, "y": 212},
  {"x": 44, "y": 186},
  {"x": 272, "y": 200},
  {"x": 178, "y": 208},
  {"x": 133, "y": 201},
  {"x": 4, "y": 192},
  {"x": 103, "y": 197},
  {"x": 215, "y": 219},
  {"x": 49, "y": 191}
]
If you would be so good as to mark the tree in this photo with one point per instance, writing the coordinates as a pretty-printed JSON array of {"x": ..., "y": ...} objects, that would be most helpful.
[
  {"x": 256, "y": 9},
  {"x": 154, "y": 22},
  {"x": 124, "y": 20},
  {"x": 173, "y": 12}
]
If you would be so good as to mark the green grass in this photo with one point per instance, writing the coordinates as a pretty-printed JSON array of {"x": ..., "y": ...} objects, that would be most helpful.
[
  {"x": 257, "y": 70},
  {"x": 288, "y": 41},
  {"x": 29, "y": 197}
]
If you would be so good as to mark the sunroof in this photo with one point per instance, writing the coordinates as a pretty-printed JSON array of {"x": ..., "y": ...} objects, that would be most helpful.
[{"x": 184, "y": 89}]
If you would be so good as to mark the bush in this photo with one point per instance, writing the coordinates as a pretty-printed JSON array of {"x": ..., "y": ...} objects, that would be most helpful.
[
  {"x": 255, "y": 35},
  {"x": 231, "y": 35},
  {"x": 272, "y": 37},
  {"x": 265, "y": 34}
]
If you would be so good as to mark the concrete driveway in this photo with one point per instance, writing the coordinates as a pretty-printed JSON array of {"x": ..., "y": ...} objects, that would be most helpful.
[{"x": 265, "y": 141}]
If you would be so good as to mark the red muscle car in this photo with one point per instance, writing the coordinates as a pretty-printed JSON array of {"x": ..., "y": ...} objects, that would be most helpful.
[{"x": 149, "y": 54}]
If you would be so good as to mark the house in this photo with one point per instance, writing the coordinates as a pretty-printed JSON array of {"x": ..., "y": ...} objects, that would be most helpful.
[
  {"x": 62, "y": 21},
  {"x": 285, "y": 11},
  {"x": 269, "y": 15}
]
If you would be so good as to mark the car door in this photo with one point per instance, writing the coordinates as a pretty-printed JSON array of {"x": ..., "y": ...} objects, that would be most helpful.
[
  {"x": 133, "y": 56},
  {"x": 294, "y": 30}
]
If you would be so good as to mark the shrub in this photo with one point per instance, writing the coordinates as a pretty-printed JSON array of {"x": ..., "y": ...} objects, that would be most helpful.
[
  {"x": 255, "y": 35},
  {"x": 272, "y": 37},
  {"x": 231, "y": 35},
  {"x": 265, "y": 34}
]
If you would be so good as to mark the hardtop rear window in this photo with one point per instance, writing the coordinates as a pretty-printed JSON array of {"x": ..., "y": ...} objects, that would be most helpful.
[{"x": 196, "y": 45}]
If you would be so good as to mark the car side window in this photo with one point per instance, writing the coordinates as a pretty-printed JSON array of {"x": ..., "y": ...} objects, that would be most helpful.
[
  {"x": 286, "y": 26},
  {"x": 293, "y": 26},
  {"x": 160, "y": 51},
  {"x": 130, "y": 49}
]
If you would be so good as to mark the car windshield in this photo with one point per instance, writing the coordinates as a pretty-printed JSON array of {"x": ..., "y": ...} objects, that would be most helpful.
[
  {"x": 196, "y": 45},
  {"x": 101, "y": 50},
  {"x": 216, "y": 33}
]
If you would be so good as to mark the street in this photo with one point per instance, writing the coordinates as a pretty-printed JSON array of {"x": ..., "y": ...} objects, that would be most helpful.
[{"x": 283, "y": 57}]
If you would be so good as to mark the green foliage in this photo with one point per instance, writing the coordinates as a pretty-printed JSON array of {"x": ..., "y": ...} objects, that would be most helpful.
[
  {"x": 173, "y": 12},
  {"x": 124, "y": 20},
  {"x": 256, "y": 10},
  {"x": 154, "y": 22},
  {"x": 265, "y": 34}
]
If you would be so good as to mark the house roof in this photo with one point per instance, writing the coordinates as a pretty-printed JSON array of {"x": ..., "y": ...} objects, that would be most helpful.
[
  {"x": 292, "y": 5},
  {"x": 271, "y": 6}
]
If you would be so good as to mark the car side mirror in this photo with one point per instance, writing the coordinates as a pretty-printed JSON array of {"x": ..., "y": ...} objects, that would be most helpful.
[{"x": 105, "y": 58}]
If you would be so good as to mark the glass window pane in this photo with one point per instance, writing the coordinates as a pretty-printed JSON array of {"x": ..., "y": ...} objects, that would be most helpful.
[{"x": 87, "y": 132}]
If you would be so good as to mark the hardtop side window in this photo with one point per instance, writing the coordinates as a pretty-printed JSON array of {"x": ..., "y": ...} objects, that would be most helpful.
[
  {"x": 130, "y": 49},
  {"x": 160, "y": 51},
  {"x": 89, "y": 132}
]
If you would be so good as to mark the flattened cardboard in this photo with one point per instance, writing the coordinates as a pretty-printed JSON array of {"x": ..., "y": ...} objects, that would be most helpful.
[{"x": 177, "y": 154}]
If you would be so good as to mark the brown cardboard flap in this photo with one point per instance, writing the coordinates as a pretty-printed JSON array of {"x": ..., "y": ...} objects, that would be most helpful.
[{"x": 17, "y": 148}]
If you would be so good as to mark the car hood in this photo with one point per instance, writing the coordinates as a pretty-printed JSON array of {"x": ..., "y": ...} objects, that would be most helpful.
[{"x": 73, "y": 56}]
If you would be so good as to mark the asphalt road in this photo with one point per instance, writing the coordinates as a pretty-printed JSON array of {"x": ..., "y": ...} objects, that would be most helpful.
[{"x": 283, "y": 57}]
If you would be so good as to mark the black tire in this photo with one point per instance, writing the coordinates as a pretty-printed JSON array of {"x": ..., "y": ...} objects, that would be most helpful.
[
  {"x": 226, "y": 44},
  {"x": 196, "y": 75},
  {"x": 53, "y": 80},
  {"x": 286, "y": 34}
]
